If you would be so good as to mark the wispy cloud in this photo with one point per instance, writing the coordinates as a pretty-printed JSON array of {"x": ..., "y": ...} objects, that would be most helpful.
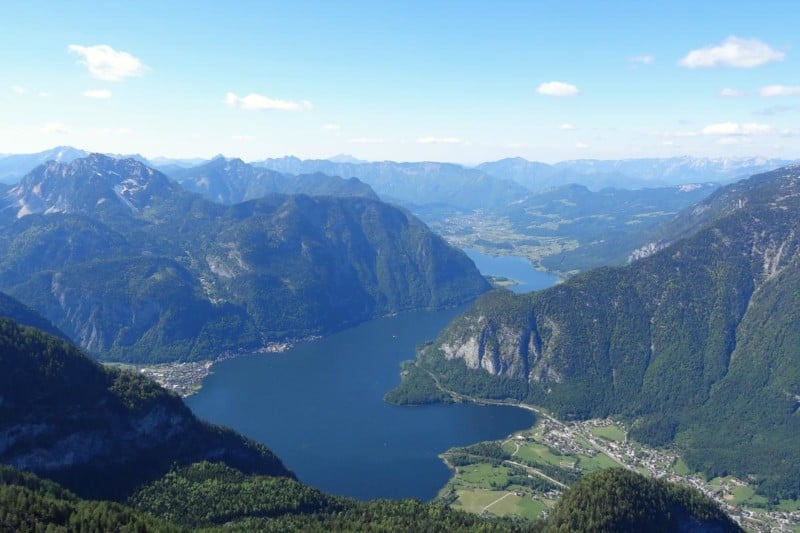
[
  {"x": 100, "y": 94},
  {"x": 438, "y": 140},
  {"x": 557, "y": 88},
  {"x": 735, "y": 129},
  {"x": 780, "y": 90},
  {"x": 581, "y": 145},
  {"x": 775, "y": 110},
  {"x": 641, "y": 60},
  {"x": 51, "y": 128},
  {"x": 105, "y": 63},
  {"x": 16, "y": 89},
  {"x": 243, "y": 138},
  {"x": 733, "y": 52},
  {"x": 566, "y": 127},
  {"x": 727, "y": 92},
  {"x": 259, "y": 102},
  {"x": 332, "y": 127}
]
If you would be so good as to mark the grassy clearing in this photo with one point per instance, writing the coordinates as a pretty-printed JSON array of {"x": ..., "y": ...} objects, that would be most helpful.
[
  {"x": 681, "y": 468},
  {"x": 484, "y": 475},
  {"x": 474, "y": 501},
  {"x": 599, "y": 461},
  {"x": 501, "y": 503},
  {"x": 611, "y": 432},
  {"x": 538, "y": 453}
]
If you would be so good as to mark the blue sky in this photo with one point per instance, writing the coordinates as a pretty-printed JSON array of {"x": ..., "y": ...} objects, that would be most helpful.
[{"x": 447, "y": 81}]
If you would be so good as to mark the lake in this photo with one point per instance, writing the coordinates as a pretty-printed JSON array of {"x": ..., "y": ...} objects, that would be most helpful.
[
  {"x": 320, "y": 407},
  {"x": 519, "y": 269}
]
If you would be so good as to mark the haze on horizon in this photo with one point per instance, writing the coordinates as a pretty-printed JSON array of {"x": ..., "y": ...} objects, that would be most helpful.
[{"x": 446, "y": 81}]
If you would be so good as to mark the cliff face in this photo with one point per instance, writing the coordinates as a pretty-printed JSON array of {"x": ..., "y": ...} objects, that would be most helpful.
[
  {"x": 65, "y": 417},
  {"x": 681, "y": 342}
]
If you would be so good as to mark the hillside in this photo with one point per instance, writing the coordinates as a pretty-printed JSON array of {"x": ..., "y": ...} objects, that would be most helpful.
[
  {"x": 616, "y": 500},
  {"x": 132, "y": 267},
  {"x": 97, "y": 431},
  {"x": 695, "y": 345}
]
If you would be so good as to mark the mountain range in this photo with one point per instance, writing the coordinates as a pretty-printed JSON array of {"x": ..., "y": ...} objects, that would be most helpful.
[
  {"x": 231, "y": 181},
  {"x": 629, "y": 173},
  {"x": 694, "y": 345},
  {"x": 133, "y": 267}
]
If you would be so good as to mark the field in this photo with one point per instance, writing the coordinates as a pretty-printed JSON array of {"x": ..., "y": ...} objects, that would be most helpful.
[{"x": 611, "y": 432}]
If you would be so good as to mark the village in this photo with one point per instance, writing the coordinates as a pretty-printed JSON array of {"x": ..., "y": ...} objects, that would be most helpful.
[{"x": 588, "y": 438}]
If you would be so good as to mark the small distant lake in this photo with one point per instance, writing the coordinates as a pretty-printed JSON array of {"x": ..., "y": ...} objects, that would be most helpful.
[
  {"x": 519, "y": 269},
  {"x": 320, "y": 407}
]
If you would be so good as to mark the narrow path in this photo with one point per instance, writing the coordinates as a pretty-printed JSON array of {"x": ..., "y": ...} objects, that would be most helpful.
[{"x": 504, "y": 496}]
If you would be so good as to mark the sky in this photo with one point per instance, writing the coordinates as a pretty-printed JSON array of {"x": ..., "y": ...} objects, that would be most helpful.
[{"x": 457, "y": 81}]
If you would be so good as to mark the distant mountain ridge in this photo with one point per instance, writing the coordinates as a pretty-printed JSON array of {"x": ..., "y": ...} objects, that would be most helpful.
[
  {"x": 695, "y": 345},
  {"x": 414, "y": 183},
  {"x": 131, "y": 266},
  {"x": 629, "y": 173},
  {"x": 231, "y": 181}
]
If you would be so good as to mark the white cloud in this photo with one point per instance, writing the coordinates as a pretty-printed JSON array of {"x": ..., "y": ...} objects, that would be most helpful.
[
  {"x": 566, "y": 127},
  {"x": 105, "y": 63},
  {"x": 733, "y": 52},
  {"x": 243, "y": 138},
  {"x": 727, "y": 92},
  {"x": 581, "y": 145},
  {"x": 18, "y": 90},
  {"x": 557, "y": 88},
  {"x": 641, "y": 60},
  {"x": 733, "y": 128},
  {"x": 780, "y": 90},
  {"x": 54, "y": 128},
  {"x": 729, "y": 140},
  {"x": 332, "y": 127},
  {"x": 44, "y": 94},
  {"x": 438, "y": 140},
  {"x": 367, "y": 140},
  {"x": 100, "y": 94},
  {"x": 258, "y": 102}
]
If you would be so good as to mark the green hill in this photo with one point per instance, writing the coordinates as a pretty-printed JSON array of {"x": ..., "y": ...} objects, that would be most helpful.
[{"x": 101, "y": 432}]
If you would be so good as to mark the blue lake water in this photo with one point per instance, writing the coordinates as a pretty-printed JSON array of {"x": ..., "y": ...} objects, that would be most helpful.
[
  {"x": 320, "y": 407},
  {"x": 517, "y": 268}
]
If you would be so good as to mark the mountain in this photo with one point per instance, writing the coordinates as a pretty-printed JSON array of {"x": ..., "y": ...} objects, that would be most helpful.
[
  {"x": 694, "y": 346},
  {"x": 20, "y": 313},
  {"x": 616, "y": 499},
  {"x": 133, "y": 267},
  {"x": 628, "y": 173},
  {"x": 97, "y": 431},
  {"x": 231, "y": 181},
  {"x": 346, "y": 158},
  {"x": 14, "y": 166},
  {"x": 411, "y": 184}
]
